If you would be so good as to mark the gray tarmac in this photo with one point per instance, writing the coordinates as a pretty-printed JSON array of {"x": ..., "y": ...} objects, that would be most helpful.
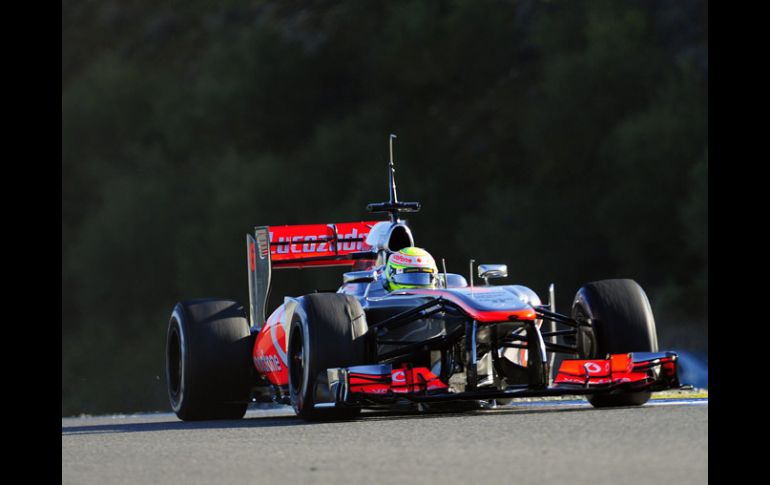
[{"x": 537, "y": 442}]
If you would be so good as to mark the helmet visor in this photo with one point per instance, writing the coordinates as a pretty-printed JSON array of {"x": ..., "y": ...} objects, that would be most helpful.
[{"x": 414, "y": 279}]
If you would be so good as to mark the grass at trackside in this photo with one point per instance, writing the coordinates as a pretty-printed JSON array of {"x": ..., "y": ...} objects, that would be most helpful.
[
  {"x": 692, "y": 394},
  {"x": 673, "y": 394}
]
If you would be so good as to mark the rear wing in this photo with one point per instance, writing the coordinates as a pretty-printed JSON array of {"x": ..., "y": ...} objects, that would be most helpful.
[{"x": 301, "y": 246}]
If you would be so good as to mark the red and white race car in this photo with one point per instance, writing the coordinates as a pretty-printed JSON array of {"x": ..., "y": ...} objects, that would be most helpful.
[{"x": 331, "y": 354}]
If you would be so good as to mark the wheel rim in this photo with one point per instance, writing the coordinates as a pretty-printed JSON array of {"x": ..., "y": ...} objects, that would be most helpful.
[
  {"x": 174, "y": 363},
  {"x": 296, "y": 360}
]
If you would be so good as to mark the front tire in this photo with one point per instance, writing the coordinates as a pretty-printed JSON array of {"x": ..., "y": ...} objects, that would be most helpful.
[
  {"x": 208, "y": 360},
  {"x": 622, "y": 322},
  {"x": 327, "y": 331}
]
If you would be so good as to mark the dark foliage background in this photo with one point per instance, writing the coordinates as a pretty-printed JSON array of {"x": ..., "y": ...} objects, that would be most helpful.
[{"x": 565, "y": 138}]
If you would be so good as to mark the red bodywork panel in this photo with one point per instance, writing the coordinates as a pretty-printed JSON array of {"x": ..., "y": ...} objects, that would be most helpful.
[
  {"x": 618, "y": 369},
  {"x": 483, "y": 304},
  {"x": 269, "y": 355},
  {"x": 304, "y": 245},
  {"x": 400, "y": 381}
]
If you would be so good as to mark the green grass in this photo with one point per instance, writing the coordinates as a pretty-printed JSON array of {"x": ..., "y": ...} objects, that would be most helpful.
[{"x": 691, "y": 394}]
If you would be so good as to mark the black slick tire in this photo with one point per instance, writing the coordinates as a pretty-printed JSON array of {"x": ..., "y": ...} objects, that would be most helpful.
[
  {"x": 326, "y": 331},
  {"x": 622, "y": 322},
  {"x": 208, "y": 360}
]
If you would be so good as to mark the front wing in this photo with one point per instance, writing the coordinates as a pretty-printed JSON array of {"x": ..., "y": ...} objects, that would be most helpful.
[{"x": 618, "y": 373}]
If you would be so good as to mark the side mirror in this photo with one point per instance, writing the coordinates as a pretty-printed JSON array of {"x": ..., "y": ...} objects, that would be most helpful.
[{"x": 487, "y": 271}]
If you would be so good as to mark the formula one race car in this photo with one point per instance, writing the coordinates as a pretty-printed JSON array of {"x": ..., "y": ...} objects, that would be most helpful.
[{"x": 393, "y": 336}]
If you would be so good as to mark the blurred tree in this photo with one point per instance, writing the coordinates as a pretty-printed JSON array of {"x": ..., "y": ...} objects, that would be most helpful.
[{"x": 565, "y": 138}]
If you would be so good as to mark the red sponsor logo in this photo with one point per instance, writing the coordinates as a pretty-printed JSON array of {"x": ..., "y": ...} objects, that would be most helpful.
[
  {"x": 398, "y": 258},
  {"x": 569, "y": 380},
  {"x": 318, "y": 243},
  {"x": 303, "y": 243},
  {"x": 267, "y": 363},
  {"x": 594, "y": 368}
]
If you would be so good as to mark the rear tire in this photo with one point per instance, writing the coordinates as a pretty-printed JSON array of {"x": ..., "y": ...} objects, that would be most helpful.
[
  {"x": 622, "y": 322},
  {"x": 326, "y": 331},
  {"x": 208, "y": 360}
]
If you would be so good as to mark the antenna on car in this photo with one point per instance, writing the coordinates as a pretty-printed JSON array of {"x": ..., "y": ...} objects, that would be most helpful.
[
  {"x": 393, "y": 206},
  {"x": 443, "y": 263},
  {"x": 392, "y": 171},
  {"x": 471, "y": 274}
]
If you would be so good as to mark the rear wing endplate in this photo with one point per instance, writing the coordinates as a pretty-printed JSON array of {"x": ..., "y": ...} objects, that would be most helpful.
[{"x": 260, "y": 269}]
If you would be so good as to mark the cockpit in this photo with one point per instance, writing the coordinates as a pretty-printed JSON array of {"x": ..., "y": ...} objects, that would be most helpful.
[
  {"x": 385, "y": 238},
  {"x": 371, "y": 282}
]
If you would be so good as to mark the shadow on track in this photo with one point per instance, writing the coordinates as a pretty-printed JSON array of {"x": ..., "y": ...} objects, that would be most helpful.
[
  {"x": 285, "y": 421},
  {"x": 387, "y": 416},
  {"x": 176, "y": 425}
]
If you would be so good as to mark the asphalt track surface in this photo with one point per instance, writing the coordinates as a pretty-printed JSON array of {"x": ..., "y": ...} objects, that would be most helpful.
[{"x": 664, "y": 441}]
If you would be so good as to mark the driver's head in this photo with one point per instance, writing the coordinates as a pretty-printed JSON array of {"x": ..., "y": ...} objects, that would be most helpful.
[{"x": 410, "y": 268}]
